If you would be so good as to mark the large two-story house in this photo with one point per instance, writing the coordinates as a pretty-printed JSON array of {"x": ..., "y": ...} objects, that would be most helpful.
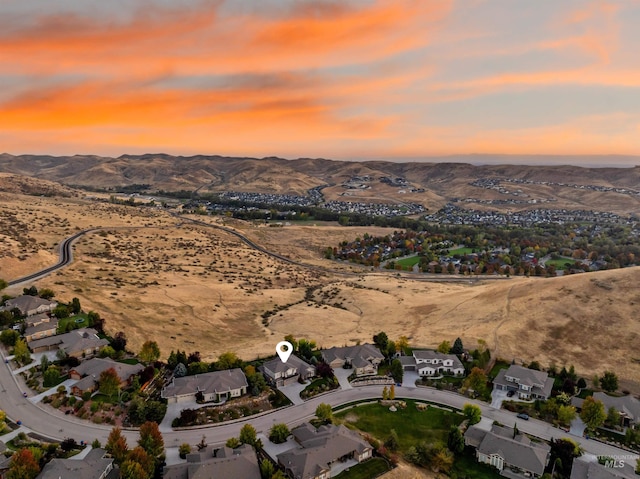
[
  {"x": 432, "y": 363},
  {"x": 363, "y": 358},
  {"x": 526, "y": 383},
  {"x": 282, "y": 374}
]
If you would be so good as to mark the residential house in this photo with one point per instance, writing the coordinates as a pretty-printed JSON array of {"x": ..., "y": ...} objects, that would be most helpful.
[
  {"x": 527, "y": 383},
  {"x": 320, "y": 449},
  {"x": 88, "y": 373},
  {"x": 37, "y": 319},
  {"x": 79, "y": 343},
  {"x": 5, "y": 463},
  {"x": 216, "y": 386},
  {"x": 504, "y": 448},
  {"x": 42, "y": 329},
  {"x": 283, "y": 374},
  {"x": 241, "y": 462},
  {"x": 94, "y": 466},
  {"x": 432, "y": 363},
  {"x": 30, "y": 305},
  {"x": 363, "y": 358},
  {"x": 628, "y": 407},
  {"x": 587, "y": 467}
]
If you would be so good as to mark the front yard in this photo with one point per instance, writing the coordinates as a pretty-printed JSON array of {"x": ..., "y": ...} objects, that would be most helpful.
[
  {"x": 411, "y": 425},
  {"x": 232, "y": 409}
]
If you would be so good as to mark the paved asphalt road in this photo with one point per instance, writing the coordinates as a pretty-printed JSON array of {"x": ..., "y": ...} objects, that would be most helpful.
[
  {"x": 50, "y": 423},
  {"x": 65, "y": 258}
]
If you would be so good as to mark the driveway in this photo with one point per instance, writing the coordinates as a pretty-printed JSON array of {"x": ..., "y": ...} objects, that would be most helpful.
[
  {"x": 343, "y": 377},
  {"x": 577, "y": 427},
  {"x": 409, "y": 379},
  {"x": 174, "y": 410},
  {"x": 497, "y": 396},
  {"x": 292, "y": 391}
]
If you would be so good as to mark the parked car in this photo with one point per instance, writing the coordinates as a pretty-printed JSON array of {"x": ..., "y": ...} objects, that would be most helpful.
[
  {"x": 510, "y": 393},
  {"x": 523, "y": 416}
]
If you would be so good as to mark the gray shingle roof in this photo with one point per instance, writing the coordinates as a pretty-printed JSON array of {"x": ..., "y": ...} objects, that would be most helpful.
[
  {"x": 93, "y": 466},
  {"x": 277, "y": 366},
  {"x": 626, "y": 404},
  {"x": 215, "y": 382},
  {"x": 93, "y": 367},
  {"x": 28, "y": 303},
  {"x": 362, "y": 352},
  {"x": 587, "y": 467},
  {"x": 319, "y": 448},
  {"x": 539, "y": 381},
  {"x": 241, "y": 462},
  {"x": 519, "y": 451},
  {"x": 72, "y": 342}
]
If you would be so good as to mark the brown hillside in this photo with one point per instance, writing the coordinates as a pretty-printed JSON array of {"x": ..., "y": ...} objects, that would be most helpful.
[
  {"x": 442, "y": 182},
  {"x": 196, "y": 288}
]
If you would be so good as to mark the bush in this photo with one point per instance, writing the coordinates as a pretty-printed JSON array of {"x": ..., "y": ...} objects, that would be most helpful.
[{"x": 183, "y": 450}]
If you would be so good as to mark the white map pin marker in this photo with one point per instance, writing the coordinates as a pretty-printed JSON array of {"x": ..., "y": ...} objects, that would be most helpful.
[{"x": 284, "y": 350}]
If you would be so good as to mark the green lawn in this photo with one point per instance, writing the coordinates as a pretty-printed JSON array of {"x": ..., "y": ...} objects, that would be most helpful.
[
  {"x": 497, "y": 367},
  {"x": 78, "y": 321},
  {"x": 129, "y": 361},
  {"x": 408, "y": 262},
  {"x": 467, "y": 466},
  {"x": 411, "y": 425},
  {"x": 560, "y": 263},
  {"x": 365, "y": 470}
]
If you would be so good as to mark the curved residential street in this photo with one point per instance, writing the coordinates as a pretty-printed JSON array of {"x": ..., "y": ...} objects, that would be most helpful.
[{"x": 51, "y": 423}]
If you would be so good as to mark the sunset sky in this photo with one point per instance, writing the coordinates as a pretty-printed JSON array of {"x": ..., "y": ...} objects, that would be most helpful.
[{"x": 336, "y": 79}]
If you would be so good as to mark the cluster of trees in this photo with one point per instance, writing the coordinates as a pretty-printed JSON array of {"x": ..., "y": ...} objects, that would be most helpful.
[
  {"x": 144, "y": 460},
  {"x": 615, "y": 245},
  {"x": 31, "y": 456}
]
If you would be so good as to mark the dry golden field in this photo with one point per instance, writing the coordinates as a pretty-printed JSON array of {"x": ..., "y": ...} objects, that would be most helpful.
[{"x": 191, "y": 287}]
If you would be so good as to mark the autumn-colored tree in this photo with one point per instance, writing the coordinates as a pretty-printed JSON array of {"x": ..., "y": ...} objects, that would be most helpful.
[
  {"x": 566, "y": 414},
  {"x": 385, "y": 393},
  {"x": 23, "y": 465},
  {"x": 117, "y": 445},
  {"x": 444, "y": 347},
  {"x": 477, "y": 380},
  {"x": 593, "y": 413},
  {"x": 151, "y": 439},
  {"x": 150, "y": 352},
  {"x": 248, "y": 434},
  {"x": 324, "y": 412},
  {"x": 392, "y": 392},
  {"x": 133, "y": 470},
  {"x": 472, "y": 413},
  {"x": 21, "y": 352},
  {"x": 139, "y": 455},
  {"x": 402, "y": 344},
  {"x": 109, "y": 382}
]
